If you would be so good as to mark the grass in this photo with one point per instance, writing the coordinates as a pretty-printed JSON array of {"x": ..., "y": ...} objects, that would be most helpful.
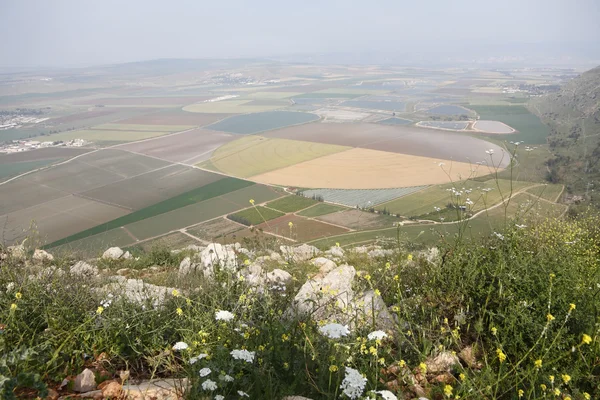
[
  {"x": 320, "y": 209},
  {"x": 531, "y": 129},
  {"x": 254, "y": 155},
  {"x": 94, "y": 135},
  {"x": 301, "y": 229},
  {"x": 292, "y": 203},
  {"x": 255, "y": 215},
  {"x": 205, "y": 192},
  {"x": 548, "y": 192},
  {"x": 260, "y": 122},
  {"x": 228, "y": 107}
]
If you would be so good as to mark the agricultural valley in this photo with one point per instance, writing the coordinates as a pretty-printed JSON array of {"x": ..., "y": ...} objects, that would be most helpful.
[{"x": 293, "y": 153}]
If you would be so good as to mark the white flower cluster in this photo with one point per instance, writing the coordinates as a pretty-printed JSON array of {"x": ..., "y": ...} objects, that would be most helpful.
[
  {"x": 353, "y": 384},
  {"x": 377, "y": 335},
  {"x": 209, "y": 385},
  {"x": 205, "y": 372},
  {"x": 245, "y": 355},
  {"x": 334, "y": 331},
  {"x": 386, "y": 394},
  {"x": 180, "y": 346},
  {"x": 222, "y": 315},
  {"x": 199, "y": 357}
]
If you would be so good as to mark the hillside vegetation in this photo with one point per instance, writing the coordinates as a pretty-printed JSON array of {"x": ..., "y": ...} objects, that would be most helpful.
[
  {"x": 515, "y": 315},
  {"x": 573, "y": 115}
]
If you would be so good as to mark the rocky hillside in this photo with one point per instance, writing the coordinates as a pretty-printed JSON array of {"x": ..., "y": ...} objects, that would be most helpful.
[
  {"x": 514, "y": 316},
  {"x": 573, "y": 115}
]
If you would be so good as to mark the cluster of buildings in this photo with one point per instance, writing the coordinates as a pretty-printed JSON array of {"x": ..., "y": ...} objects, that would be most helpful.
[
  {"x": 18, "y": 120},
  {"x": 17, "y": 146}
]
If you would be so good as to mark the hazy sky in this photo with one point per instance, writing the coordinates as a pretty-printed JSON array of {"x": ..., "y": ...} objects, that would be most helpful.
[{"x": 85, "y": 32}]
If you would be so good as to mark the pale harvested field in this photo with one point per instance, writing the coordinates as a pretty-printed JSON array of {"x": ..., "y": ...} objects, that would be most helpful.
[
  {"x": 146, "y": 101},
  {"x": 20, "y": 194},
  {"x": 82, "y": 116},
  {"x": 228, "y": 107},
  {"x": 272, "y": 95},
  {"x": 175, "y": 118},
  {"x": 142, "y": 127},
  {"x": 357, "y": 219},
  {"x": 397, "y": 139},
  {"x": 365, "y": 169},
  {"x": 94, "y": 135},
  {"x": 495, "y": 127},
  {"x": 190, "y": 147},
  {"x": 58, "y": 218},
  {"x": 253, "y": 155},
  {"x": 153, "y": 187}
]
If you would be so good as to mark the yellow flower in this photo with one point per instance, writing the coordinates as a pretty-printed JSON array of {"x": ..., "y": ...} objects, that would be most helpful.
[
  {"x": 462, "y": 377},
  {"x": 567, "y": 398},
  {"x": 188, "y": 302},
  {"x": 179, "y": 311},
  {"x": 556, "y": 392},
  {"x": 501, "y": 355},
  {"x": 13, "y": 307},
  {"x": 285, "y": 338},
  {"x": 396, "y": 278},
  {"x": 543, "y": 387},
  {"x": 337, "y": 244},
  {"x": 409, "y": 333},
  {"x": 18, "y": 295},
  {"x": 448, "y": 390},
  {"x": 494, "y": 331},
  {"x": 550, "y": 317},
  {"x": 402, "y": 364},
  {"x": 368, "y": 277},
  {"x": 552, "y": 276},
  {"x": 290, "y": 224},
  {"x": 377, "y": 292},
  {"x": 551, "y": 378},
  {"x": 175, "y": 293},
  {"x": 410, "y": 257},
  {"x": 333, "y": 368},
  {"x": 572, "y": 307},
  {"x": 423, "y": 367},
  {"x": 521, "y": 393},
  {"x": 566, "y": 378},
  {"x": 388, "y": 265},
  {"x": 252, "y": 201},
  {"x": 99, "y": 310},
  {"x": 586, "y": 339},
  {"x": 381, "y": 361},
  {"x": 538, "y": 363},
  {"x": 586, "y": 396}
]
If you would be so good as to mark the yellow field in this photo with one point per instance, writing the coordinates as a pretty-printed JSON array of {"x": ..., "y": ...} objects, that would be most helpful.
[
  {"x": 253, "y": 155},
  {"x": 366, "y": 169},
  {"x": 149, "y": 128},
  {"x": 228, "y": 107},
  {"x": 104, "y": 136}
]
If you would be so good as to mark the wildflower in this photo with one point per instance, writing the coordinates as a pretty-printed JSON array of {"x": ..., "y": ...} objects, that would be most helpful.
[
  {"x": 246, "y": 262},
  {"x": 337, "y": 244},
  {"x": 423, "y": 367},
  {"x": 538, "y": 363},
  {"x": 490, "y": 151},
  {"x": 469, "y": 202},
  {"x": 99, "y": 310},
  {"x": 586, "y": 339},
  {"x": 179, "y": 311},
  {"x": 448, "y": 390},
  {"x": 175, "y": 293},
  {"x": 13, "y": 307},
  {"x": 222, "y": 315},
  {"x": 402, "y": 363},
  {"x": 18, "y": 295},
  {"x": 494, "y": 330},
  {"x": 286, "y": 366},
  {"x": 243, "y": 394},
  {"x": 551, "y": 379},
  {"x": 550, "y": 317},
  {"x": 377, "y": 292},
  {"x": 219, "y": 397},
  {"x": 334, "y": 331},
  {"x": 572, "y": 306},
  {"x": 252, "y": 201},
  {"x": 409, "y": 257},
  {"x": 290, "y": 224},
  {"x": 209, "y": 385},
  {"x": 556, "y": 392},
  {"x": 462, "y": 377},
  {"x": 285, "y": 338},
  {"x": 388, "y": 265},
  {"x": 501, "y": 355},
  {"x": 543, "y": 387},
  {"x": 199, "y": 357},
  {"x": 245, "y": 355},
  {"x": 586, "y": 396},
  {"x": 499, "y": 235},
  {"x": 521, "y": 393},
  {"x": 226, "y": 378},
  {"x": 386, "y": 394},
  {"x": 566, "y": 378},
  {"x": 377, "y": 335},
  {"x": 180, "y": 346},
  {"x": 353, "y": 384},
  {"x": 205, "y": 372},
  {"x": 368, "y": 277},
  {"x": 333, "y": 368}
]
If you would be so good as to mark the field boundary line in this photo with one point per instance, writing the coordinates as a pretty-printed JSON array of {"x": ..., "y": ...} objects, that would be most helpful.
[{"x": 185, "y": 232}]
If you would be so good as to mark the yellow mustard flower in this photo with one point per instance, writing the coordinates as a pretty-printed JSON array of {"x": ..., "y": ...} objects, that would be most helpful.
[
  {"x": 543, "y": 387},
  {"x": 551, "y": 378},
  {"x": 175, "y": 293},
  {"x": 550, "y": 317},
  {"x": 285, "y": 338},
  {"x": 501, "y": 355},
  {"x": 572, "y": 306},
  {"x": 521, "y": 393},
  {"x": 18, "y": 295},
  {"x": 99, "y": 310},
  {"x": 337, "y": 244},
  {"x": 586, "y": 396},
  {"x": 377, "y": 292},
  {"x": 494, "y": 331},
  {"x": 462, "y": 377},
  {"x": 423, "y": 367},
  {"x": 448, "y": 390},
  {"x": 402, "y": 363},
  {"x": 13, "y": 307},
  {"x": 179, "y": 311},
  {"x": 333, "y": 368},
  {"x": 566, "y": 378},
  {"x": 286, "y": 366},
  {"x": 410, "y": 257},
  {"x": 538, "y": 363},
  {"x": 252, "y": 201},
  {"x": 586, "y": 339},
  {"x": 290, "y": 224},
  {"x": 556, "y": 392}
]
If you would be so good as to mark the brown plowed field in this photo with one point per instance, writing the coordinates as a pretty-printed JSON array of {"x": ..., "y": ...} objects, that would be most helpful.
[
  {"x": 397, "y": 139},
  {"x": 189, "y": 147},
  {"x": 42, "y": 154},
  {"x": 81, "y": 116},
  {"x": 302, "y": 230}
]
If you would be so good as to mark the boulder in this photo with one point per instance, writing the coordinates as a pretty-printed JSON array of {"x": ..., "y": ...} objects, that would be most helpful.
[
  {"x": 336, "y": 251},
  {"x": 85, "y": 381},
  {"x": 303, "y": 252},
  {"x": 137, "y": 291},
  {"x": 158, "y": 389},
  {"x": 279, "y": 277},
  {"x": 275, "y": 256},
  {"x": 325, "y": 265},
  {"x": 370, "y": 307},
  {"x": 185, "y": 267},
  {"x": 42, "y": 255},
  {"x": 83, "y": 269},
  {"x": 217, "y": 255},
  {"x": 114, "y": 253}
]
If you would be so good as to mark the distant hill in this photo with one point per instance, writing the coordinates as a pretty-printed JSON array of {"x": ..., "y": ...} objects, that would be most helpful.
[{"x": 573, "y": 115}]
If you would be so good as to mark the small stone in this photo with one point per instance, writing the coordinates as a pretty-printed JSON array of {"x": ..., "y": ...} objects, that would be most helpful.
[
  {"x": 443, "y": 362},
  {"x": 279, "y": 276},
  {"x": 114, "y": 253},
  {"x": 112, "y": 390},
  {"x": 52, "y": 394},
  {"x": 127, "y": 256},
  {"x": 123, "y": 271},
  {"x": 468, "y": 356},
  {"x": 336, "y": 251},
  {"x": 275, "y": 256},
  {"x": 85, "y": 381},
  {"x": 325, "y": 265},
  {"x": 84, "y": 269},
  {"x": 42, "y": 255}
]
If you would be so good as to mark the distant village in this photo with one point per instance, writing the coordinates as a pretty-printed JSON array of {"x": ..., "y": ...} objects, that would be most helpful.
[{"x": 17, "y": 146}]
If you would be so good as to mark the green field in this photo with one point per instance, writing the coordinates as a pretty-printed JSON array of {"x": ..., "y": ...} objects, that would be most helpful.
[
  {"x": 14, "y": 169},
  {"x": 197, "y": 195},
  {"x": 292, "y": 203},
  {"x": 254, "y": 155},
  {"x": 423, "y": 202},
  {"x": 94, "y": 245},
  {"x": 255, "y": 215},
  {"x": 531, "y": 129},
  {"x": 143, "y": 128},
  {"x": 94, "y": 135},
  {"x": 321, "y": 209},
  {"x": 548, "y": 191}
]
